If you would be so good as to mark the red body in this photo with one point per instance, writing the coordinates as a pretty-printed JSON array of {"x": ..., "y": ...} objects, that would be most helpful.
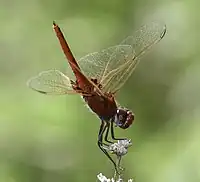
[
  {"x": 106, "y": 72},
  {"x": 104, "y": 106}
]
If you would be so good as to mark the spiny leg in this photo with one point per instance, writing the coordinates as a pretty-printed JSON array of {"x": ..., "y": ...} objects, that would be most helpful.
[
  {"x": 113, "y": 134},
  {"x": 101, "y": 131},
  {"x": 100, "y": 144},
  {"x": 107, "y": 132}
]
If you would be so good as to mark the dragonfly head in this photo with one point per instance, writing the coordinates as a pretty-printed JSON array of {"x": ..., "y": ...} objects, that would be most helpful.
[{"x": 124, "y": 118}]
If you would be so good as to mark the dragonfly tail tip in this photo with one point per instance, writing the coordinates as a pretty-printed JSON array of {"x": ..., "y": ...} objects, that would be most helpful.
[{"x": 54, "y": 23}]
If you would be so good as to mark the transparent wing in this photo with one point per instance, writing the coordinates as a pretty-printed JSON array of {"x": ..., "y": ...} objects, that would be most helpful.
[
  {"x": 52, "y": 82},
  {"x": 93, "y": 64},
  {"x": 124, "y": 60},
  {"x": 114, "y": 65},
  {"x": 118, "y": 67}
]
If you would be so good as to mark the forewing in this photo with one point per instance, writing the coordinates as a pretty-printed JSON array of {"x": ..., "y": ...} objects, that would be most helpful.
[
  {"x": 52, "y": 82},
  {"x": 93, "y": 64},
  {"x": 126, "y": 56}
]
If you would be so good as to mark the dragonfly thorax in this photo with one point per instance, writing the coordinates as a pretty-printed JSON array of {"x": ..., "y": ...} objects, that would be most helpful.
[
  {"x": 96, "y": 82},
  {"x": 124, "y": 118}
]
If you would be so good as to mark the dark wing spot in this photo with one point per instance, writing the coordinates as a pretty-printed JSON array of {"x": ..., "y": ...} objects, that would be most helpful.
[{"x": 42, "y": 92}]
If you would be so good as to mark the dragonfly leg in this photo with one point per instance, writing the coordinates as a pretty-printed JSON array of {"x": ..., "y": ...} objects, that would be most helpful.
[
  {"x": 102, "y": 129},
  {"x": 107, "y": 132},
  {"x": 113, "y": 134},
  {"x": 100, "y": 143}
]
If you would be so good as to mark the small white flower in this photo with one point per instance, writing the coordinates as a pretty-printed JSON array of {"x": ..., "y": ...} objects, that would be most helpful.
[
  {"x": 121, "y": 147},
  {"x": 102, "y": 178}
]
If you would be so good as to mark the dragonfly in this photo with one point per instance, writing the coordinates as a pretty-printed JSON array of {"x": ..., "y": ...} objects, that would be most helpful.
[{"x": 99, "y": 76}]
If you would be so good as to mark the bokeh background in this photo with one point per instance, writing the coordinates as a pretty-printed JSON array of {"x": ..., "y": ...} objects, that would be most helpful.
[{"x": 53, "y": 138}]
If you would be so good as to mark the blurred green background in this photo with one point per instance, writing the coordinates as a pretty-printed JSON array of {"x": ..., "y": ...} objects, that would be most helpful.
[{"x": 53, "y": 138}]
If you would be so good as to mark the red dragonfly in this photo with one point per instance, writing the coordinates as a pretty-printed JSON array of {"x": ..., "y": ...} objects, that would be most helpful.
[{"x": 98, "y": 77}]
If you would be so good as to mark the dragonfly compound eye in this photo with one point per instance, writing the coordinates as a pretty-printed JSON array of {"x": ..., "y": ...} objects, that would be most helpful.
[{"x": 124, "y": 118}]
